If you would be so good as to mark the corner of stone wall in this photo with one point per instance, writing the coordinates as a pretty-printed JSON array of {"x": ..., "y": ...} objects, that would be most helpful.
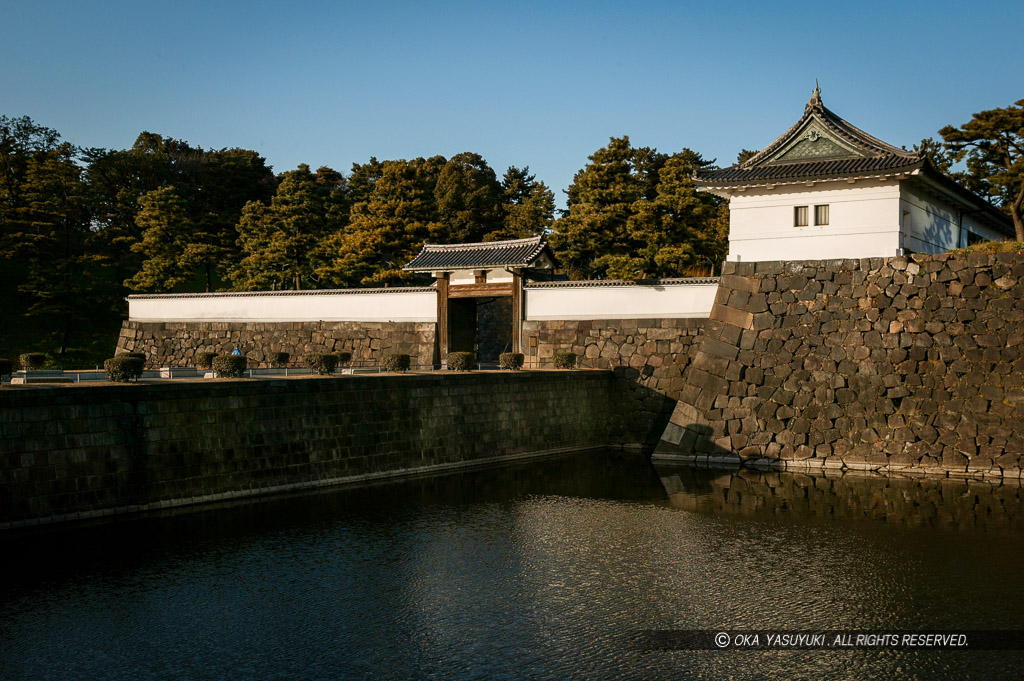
[{"x": 900, "y": 363}]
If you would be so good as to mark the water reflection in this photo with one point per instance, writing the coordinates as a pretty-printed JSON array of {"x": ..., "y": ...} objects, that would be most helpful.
[
  {"x": 990, "y": 506},
  {"x": 543, "y": 570}
]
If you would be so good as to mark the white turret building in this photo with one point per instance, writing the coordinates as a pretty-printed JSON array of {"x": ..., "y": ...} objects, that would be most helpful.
[{"x": 826, "y": 189}]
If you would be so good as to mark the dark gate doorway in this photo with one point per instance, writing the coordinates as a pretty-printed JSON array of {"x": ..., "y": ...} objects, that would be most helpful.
[
  {"x": 483, "y": 326},
  {"x": 494, "y": 328},
  {"x": 462, "y": 325}
]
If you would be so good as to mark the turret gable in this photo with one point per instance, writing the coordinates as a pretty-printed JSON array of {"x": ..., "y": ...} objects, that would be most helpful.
[{"x": 819, "y": 146}]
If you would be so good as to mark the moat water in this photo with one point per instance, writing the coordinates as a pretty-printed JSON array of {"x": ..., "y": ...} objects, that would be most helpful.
[{"x": 545, "y": 570}]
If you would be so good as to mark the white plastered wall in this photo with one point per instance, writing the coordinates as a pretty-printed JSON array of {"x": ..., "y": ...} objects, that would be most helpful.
[
  {"x": 981, "y": 229},
  {"x": 398, "y": 306},
  {"x": 620, "y": 302},
  {"x": 495, "y": 276},
  {"x": 863, "y": 222},
  {"x": 929, "y": 225}
]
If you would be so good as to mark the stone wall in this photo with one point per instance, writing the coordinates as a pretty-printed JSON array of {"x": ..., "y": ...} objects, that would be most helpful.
[
  {"x": 82, "y": 451},
  {"x": 494, "y": 328},
  {"x": 863, "y": 364},
  {"x": 649, "y": 358},
  {"x": 176, "y": 343}
]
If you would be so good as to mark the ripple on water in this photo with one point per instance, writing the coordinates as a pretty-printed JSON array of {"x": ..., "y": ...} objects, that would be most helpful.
[{"x": 541, "y": 571}]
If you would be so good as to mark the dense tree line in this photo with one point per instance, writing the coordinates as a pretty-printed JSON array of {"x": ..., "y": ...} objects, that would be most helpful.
[{"x": 82, "y": 228}]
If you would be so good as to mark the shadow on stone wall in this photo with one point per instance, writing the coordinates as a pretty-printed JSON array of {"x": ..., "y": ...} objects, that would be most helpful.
[
  {"x": 98, "y": 449},
  {"x": 639, "y": 414},
  {"x": 649, "y": 358},
  {"x": 677, "y": 440}
]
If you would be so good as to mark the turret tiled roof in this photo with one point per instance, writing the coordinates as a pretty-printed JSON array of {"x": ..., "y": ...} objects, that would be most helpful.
[{"x": 820, "y": 146}]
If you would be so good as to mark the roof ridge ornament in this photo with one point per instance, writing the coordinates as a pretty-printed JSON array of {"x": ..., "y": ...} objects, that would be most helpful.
[{"x": 815, "y": 97}]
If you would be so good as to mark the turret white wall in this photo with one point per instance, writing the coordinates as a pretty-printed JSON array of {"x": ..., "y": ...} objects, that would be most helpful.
[
  {"x": 863, "y": 222},
  {"x": 934, "y": 226},
  {"x": 867, "y": 219}
]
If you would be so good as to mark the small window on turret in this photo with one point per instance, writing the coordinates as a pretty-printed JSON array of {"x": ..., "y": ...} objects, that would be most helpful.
[
  {"x": 821, "y": 215},
  {"x": 800, "y": 216}
]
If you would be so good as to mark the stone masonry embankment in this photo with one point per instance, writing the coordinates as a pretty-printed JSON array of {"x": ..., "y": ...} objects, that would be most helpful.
[
  {"x": 96, "y": 450},
  {"x": 649, "y": 358},
  {"x": 176, "y": 343},
  {"x": 902, "y": 363}
]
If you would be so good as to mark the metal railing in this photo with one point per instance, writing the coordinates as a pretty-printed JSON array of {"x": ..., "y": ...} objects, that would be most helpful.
[{"x": 352, "y": 368}]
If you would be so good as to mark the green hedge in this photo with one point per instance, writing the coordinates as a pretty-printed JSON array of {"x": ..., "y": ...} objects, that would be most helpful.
[
  {"x": 565, "y": 360},
  {"x": 279, "y": 359},
  {"x": 343, "y": 357},
  {"x": 6, "y": 368},
  {"x": 32, "y": 360},
  {"x": 511, "y": 360},
  {"x": 230, "y": 366},
  {"x": 396, "y": 362},
  {"x": 461, "y": 361},
  {"x": 204, "y": 360},
  {"x": 123, "y": 368},
  {"x": 141, "y": 356},
  {"x": 323, "y": 364}
]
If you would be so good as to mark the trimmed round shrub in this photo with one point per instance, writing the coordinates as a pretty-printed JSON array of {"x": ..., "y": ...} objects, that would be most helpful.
[
  {"x": 323, "y": 364},
  {"x": 565, "y": 360},
  {"x": 122, "y": 368},
  {"x": 396, "y": 362},
  {"x": 343, "y": 357},
  {"x": 6, "y": 368},
  {"x": 461, "y": 361},
  {"x": 204, "y": 360},
  {"x": 279, "y": 359},
  {"x": 141, "y": 356},
  {"x": 511, "y": 360},
  {"x": 229, "y": 366},
  {"x": 32, "y": 360}
]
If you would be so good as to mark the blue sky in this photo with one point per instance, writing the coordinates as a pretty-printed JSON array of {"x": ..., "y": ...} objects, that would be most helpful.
[{"x": 538, "y": 84}]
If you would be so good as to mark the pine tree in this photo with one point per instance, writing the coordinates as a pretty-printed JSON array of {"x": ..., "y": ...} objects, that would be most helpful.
[
  {"x": 468, "y": 198},
  {"x": 282, "y": 243},
  {"x": 386, "y": 230},
  {"x": 50, "y": 234},
  {"x": 529, "y": 206},
  {"x": 165, "y": 244},
  {"x": 992, "y": 145},
  {"x": 634, "y": 213}
]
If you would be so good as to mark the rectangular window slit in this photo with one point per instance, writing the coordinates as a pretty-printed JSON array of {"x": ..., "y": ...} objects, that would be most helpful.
[{"x": 800, "y": 216}]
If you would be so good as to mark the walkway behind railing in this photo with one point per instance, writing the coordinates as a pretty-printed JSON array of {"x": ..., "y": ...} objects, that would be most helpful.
[{"x": 179, "y": 373}]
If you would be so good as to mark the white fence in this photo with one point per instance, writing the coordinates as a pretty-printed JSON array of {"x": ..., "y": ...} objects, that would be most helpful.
[
  {"x": 354, "y": 305},
  {"x": 621, "y": 300},
  {"x": 543, "y": 301}
]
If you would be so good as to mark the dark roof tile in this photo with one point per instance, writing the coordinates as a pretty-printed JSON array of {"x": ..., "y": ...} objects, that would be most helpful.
[
  {"x": 857, "y": 154},
  {"x": 810, "y": 170},
  {"x": 514, "y": 253}
]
